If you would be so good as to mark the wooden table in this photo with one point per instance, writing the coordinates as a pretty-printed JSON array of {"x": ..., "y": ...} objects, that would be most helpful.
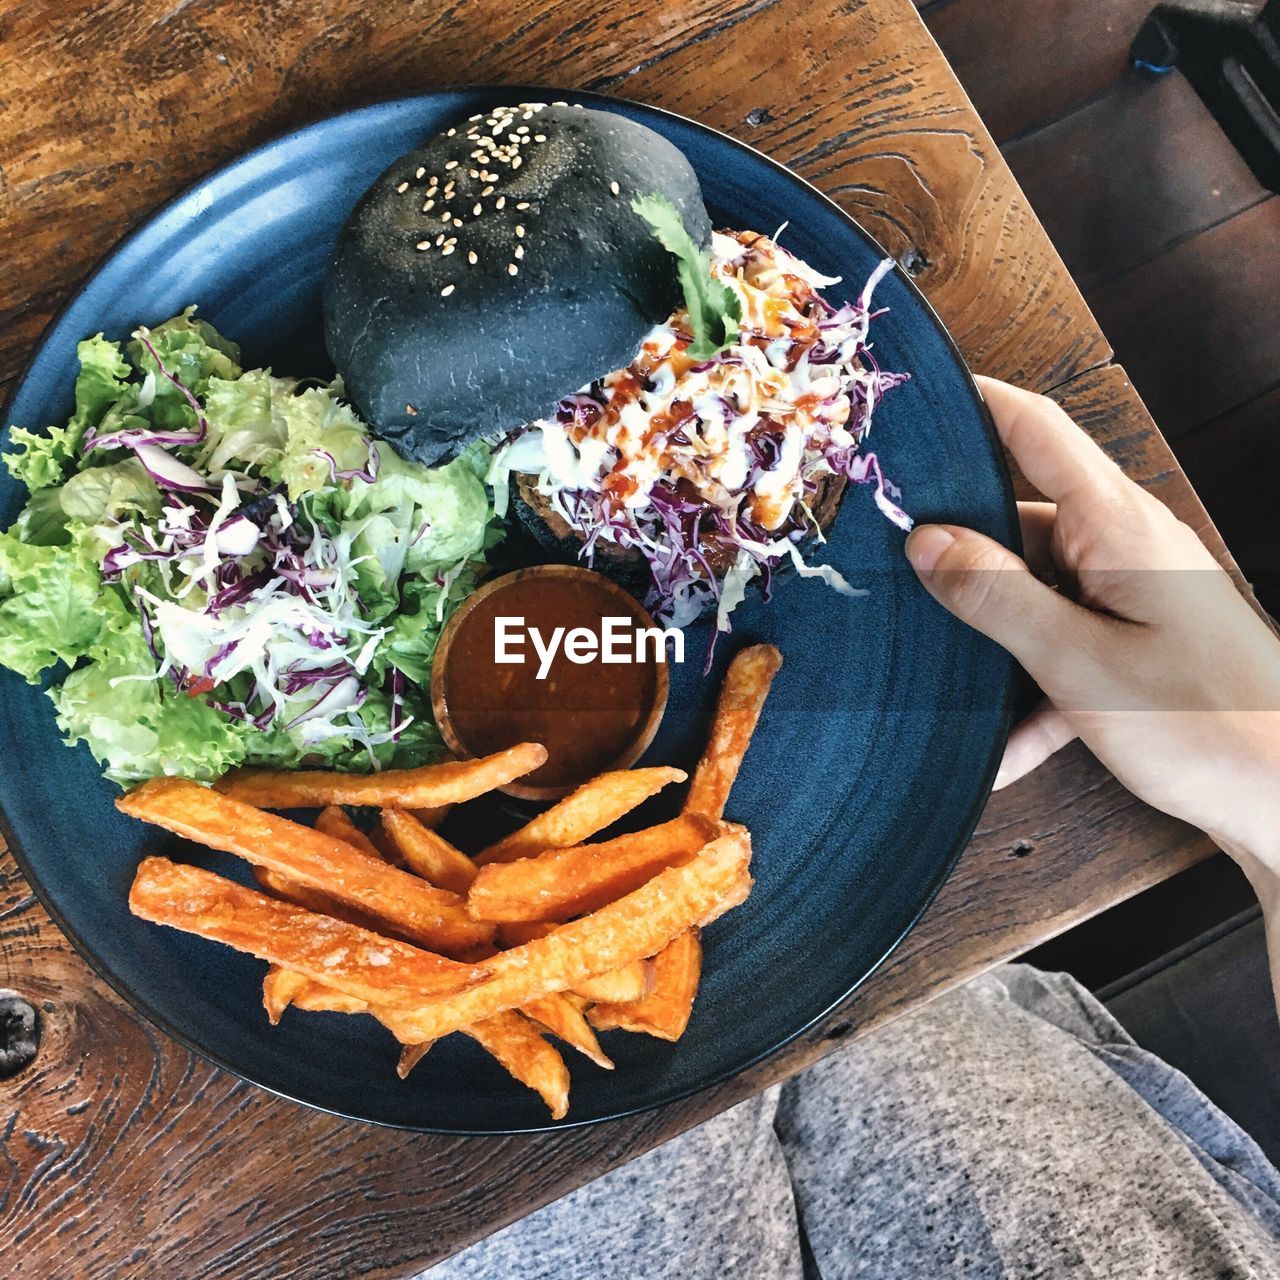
[{"x": 120, "y": 1153}]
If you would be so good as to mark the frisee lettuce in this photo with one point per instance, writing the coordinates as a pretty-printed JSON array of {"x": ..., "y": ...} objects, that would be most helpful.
[
  {"x": 135, "y": 725},
  {"x": 714, "y": 308},
  {"x": 214, "y": 567},
  {"x": 48, "y": 604}
]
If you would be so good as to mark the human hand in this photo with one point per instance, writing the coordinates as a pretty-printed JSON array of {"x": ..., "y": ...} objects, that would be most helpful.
[{"x": 1145, "y": 649}]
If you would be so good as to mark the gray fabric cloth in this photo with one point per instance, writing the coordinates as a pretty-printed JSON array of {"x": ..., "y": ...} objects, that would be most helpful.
[{"x": 1009, "y": 1131}]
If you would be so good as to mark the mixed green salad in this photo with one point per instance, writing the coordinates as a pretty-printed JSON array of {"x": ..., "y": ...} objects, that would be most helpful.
[{"x": 217, "y": 566}]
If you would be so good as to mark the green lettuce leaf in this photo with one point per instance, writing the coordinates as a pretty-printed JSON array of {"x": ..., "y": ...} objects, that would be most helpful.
[
  {"x": 42, "y": 459},
  {"x": 192, "y": 350},
  {"x": 418, "y": 743},
  {"x": 102, "y": 379},
  {"x": 42, "y": 522},
  {"x": 417, "y": 534},
  {"x": 278, "y": 749},
  {"x": 49, "y": 605},
  {"x": 417, "y": 518},
  {"x": 102, "y": 493},
  {"x": 246, "y": 424},
  {"x": 136, "y": 725},
  {"x": 425, "y": 605},
  {"x": 319, "y": 427}
]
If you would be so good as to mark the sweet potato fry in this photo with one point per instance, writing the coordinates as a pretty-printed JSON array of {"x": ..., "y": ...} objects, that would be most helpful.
[
  {"x": 422, "y": 788},
  {"x": 278, "y": 990},
  {"x": 333, "y": 821},
  {"x": 410, "y": 1056},
  {"x": 502, "y": 1036},
  {"x": 564, "y": 1019},
  {"x": 562, "y": 883},
  {"x": 427, "y": 854},
  {"x": 432, "y": 817},
  {"x": 514, "y": 1041},
  {"x": 520, "y": 1047},
  {"x": 386, "y": 850},
  {"x": 594, "y": 806},
  {"x": 639, "y": 925},
  {"x": 301, "y": 895},
  {"x": 517, "y": 932},
  {"x": 630, "y": 982},
  {"x": 620, "y": 986},
  {"x": 282, "y": 987},
  {"x": 746, "y": 685},
  {"x": 339, "y": 955},
  {"x": 526, "y": 1054},
  {"x": 664, "y": 1012},
  {"x": 432, "y": 917},
  {"x": 315, "y": 997}
]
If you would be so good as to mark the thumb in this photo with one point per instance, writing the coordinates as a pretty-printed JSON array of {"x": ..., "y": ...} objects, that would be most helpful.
[{"x": 990, "y": 588}]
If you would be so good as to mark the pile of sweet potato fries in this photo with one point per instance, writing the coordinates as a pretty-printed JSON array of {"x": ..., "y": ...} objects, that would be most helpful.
[{"x": 541, "y": 932}]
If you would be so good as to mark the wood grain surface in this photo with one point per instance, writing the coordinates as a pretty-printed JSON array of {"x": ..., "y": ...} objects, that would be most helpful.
[{"x": 122, "y": 1155}]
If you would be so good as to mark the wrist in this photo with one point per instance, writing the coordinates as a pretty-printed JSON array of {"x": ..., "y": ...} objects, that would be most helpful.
[
  {"x": 1249, "y": 802},
  {"x": 1262, "y": 870}
]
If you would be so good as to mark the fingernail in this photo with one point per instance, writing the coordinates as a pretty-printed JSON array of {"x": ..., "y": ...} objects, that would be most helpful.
[{"x": 925, "y": 547}]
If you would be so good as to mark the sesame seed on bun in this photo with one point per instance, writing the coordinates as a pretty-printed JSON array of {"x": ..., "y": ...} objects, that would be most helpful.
[{"x": 501, "y": 267}]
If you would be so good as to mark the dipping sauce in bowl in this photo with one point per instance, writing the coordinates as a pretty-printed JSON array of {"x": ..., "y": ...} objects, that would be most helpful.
[{"x": 553, "y": 654}]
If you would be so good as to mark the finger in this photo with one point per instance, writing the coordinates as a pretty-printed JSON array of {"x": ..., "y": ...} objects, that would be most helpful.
[
  {"x": 1038, "y": 520},
  {"x": 990, "y": 588},
  {"x": 1050, "y": 450},
  {"x": 1032, "y": 742}
]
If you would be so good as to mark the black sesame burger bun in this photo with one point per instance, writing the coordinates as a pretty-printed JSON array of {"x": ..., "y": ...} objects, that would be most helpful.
[{"x": 501, "y": 267}]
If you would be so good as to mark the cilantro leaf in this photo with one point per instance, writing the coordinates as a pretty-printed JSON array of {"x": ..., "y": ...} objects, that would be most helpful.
[{"x": 713, "y": 307}]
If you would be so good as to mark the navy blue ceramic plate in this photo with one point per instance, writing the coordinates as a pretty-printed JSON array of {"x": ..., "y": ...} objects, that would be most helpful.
[{"x": 879, "y": 742}]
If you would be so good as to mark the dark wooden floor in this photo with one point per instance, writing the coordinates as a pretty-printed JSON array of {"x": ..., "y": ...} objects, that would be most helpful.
[
  {"x": 1175, "y": 245},
  {"x": 1177, "y": 250}
]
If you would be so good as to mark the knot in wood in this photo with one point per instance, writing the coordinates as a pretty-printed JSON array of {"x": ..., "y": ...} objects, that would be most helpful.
[
  {"x": 914, "y": 262},
  {"x": 19, "y": 1033}
]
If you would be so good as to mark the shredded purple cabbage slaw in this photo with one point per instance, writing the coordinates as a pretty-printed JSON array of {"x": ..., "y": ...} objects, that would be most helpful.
[{"x": 673, "y": 528}]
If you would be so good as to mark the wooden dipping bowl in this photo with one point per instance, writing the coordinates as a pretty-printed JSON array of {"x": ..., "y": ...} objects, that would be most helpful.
[{"x": 592, "y": 716}]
